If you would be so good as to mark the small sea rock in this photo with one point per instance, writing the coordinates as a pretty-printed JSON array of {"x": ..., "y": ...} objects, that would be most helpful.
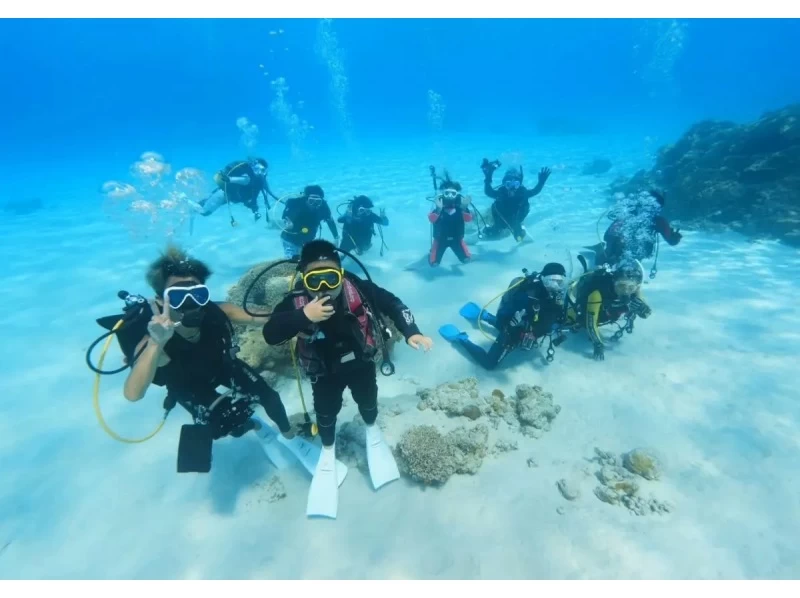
[
  {"x": 473, "y": 412},
  {"x": 561, "y": 510},
  {"x": 568, "y": 490},
  {"x": 642, "y": 463},
  {"x": 505, "y": 446},
  {"x": 532, "y": 462}
]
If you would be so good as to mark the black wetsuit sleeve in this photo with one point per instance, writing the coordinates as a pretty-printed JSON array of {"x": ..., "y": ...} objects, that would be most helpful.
[
  {"x": 325, "y": 212},
  {"x": 535, "y": 191},
  {"x": 489, "y": 190},
  {"x": 343, "y": 219},
  {"x": 286, "y": 322},
  {"x": 382, "y": 220},
  {"x": 391, "y": 306}
]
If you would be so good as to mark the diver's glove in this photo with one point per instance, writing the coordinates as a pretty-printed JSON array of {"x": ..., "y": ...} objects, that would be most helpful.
[
  {"x": 675, "y": 237},
  {"x": 257, "y": 216},
  {"x": 488, "y": 168},
  {"x": 640, "y": 308},
  {"x": 544, "y": 174},
  {"x": 599, "y": 352}
]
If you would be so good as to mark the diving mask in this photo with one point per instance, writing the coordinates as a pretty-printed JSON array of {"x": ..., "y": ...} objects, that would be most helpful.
[
  {"x": 511, "y": 184},
  {"x": 626, "y": 287},
  {"x": 450, "y": 194},
  {"x": 328, "y": 277},
  {"x": 556, "y": 285},
  {"x": 176, "y": 296},
  {"x": 362, "y": 211}
]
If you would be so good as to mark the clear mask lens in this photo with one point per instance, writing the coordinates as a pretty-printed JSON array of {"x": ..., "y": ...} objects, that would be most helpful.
[
  {"x": 511, "y": 185},
  {"x": 450, "y": 194}
]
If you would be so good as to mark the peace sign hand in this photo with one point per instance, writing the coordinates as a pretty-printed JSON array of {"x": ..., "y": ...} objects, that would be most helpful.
[{"x": 160, "y": 328}]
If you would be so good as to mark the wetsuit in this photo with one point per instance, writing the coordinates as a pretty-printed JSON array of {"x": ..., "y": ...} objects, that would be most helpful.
[
  {"x": 306, "y": 220},
  {"x": 448, "y": 232},
  {"x": 357, "y": 231},
  {"x": 509, "y": 209},
  {"x": 339, "y": 353},
  {"x": 521, "y": 321},
  {"x": 196, "y": 370},
  {"x": 245, "y": 193},
  {"x": 639, "y": 244},
  {"x": 594, "y": 302}
]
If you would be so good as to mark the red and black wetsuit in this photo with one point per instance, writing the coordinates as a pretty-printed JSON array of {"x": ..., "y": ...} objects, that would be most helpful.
[
  {"x": 618, "y": 240},
  {"x": 448, "y": 231}
]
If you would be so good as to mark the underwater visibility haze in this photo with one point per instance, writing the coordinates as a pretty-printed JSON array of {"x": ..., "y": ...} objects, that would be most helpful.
[{"x": 559, "y": 340}]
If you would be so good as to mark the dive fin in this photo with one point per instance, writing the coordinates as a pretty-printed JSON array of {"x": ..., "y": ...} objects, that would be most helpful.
[
  {"x": 269, "y": 442},
  {"x": 382, "y": 466},
  {"x": 451, "y": 333},
  {"x": 308, "y": 454},
  {"x": 470, "y": 311},
  {"x": 323, "y": 495}
]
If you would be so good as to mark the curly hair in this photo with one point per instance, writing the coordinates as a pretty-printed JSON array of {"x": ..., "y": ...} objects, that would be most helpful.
[{"x": 175, "y": 262}]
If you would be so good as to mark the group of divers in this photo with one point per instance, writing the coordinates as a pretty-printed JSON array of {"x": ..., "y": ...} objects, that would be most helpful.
[{"x": 335, "y": 322}]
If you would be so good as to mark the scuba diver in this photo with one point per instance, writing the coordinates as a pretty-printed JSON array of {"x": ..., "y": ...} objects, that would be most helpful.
[
  {"x": 510, "y": 206},
  {"x": 337, "y": 319},
  {"x": 448, "y": 217},
  {"x": 241, "y": 182},
  {"x": 602, "y": 297},
  {"x": 302, "y": 218},
  {"x": 531, "y": 309},
  {"x": 634, "y": 233},
  {"x": 358, "y": 225},
  {"x": 184, "y": 341}
]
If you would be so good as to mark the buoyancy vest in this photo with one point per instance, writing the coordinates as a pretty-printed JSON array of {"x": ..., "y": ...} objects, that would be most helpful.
[{"x": 364, "y": 332}]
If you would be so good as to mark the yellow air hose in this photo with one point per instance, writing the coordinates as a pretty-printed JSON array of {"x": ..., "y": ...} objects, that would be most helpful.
[{"x": 98, "y": 412}]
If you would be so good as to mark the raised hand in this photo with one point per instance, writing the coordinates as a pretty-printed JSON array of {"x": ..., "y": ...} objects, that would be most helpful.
[
  {"x": 318, "y": 310},
  {"x": 160, "y": 328}
]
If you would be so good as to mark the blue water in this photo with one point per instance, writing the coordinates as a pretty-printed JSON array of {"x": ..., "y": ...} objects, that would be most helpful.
[{"x": 367, "y": 106}]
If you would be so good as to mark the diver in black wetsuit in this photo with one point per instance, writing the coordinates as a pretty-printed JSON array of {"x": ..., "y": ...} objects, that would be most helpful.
[
  {"x": 531, "y": 310},
  {"x": 189, "y": 349},
  {"x": 242, "y": 182},
  {"x": 511, "y": 200},
  {"x": 633, "y": 234},
  {"x": 358, "y": 225},
  {"x": 302, "y": 217}
]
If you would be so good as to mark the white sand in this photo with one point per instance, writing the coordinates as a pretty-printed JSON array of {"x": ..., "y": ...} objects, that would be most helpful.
[{"x": 709, "y": 381}]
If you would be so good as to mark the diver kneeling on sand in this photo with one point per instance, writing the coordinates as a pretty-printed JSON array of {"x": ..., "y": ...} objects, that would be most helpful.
[
  {"x": 184, "y": 341},
  {"x": 336, "y": 318},
  {"x": 532, "y": 309},
  {"x": 636, "y": 230},
  {"x": 602, "y": 297},
  {"x": 511, "y": 200}
]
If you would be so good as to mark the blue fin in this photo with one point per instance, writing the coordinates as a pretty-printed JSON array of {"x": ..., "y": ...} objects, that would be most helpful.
[
  {"x": 470, "y": 311},
  {"x": 451, "y": 333}
]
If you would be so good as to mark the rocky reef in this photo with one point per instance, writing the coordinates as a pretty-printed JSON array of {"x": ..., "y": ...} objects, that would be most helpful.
[
  {"x": 431, "y": 458},
  {"x": 266, "y": 294},
  {"x": 619, "y": 484},
  {"x": 530, "y": 411},
  {"x": 742, "y": 176}
]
